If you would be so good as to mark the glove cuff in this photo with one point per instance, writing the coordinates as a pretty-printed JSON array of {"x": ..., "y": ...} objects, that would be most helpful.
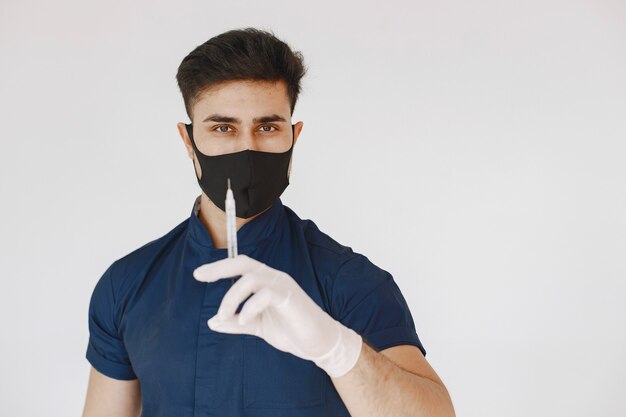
[{"x": 344, "y": 355}]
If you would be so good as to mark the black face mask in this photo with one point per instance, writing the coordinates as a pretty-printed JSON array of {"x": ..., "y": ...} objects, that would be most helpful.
[{"x": 257, "y": 178}]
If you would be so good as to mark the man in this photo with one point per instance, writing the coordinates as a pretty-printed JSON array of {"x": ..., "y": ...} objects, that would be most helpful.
[{"x": 304, "y": 327}]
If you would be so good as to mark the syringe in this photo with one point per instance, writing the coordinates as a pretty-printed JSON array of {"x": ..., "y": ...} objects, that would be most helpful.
[{"x": 231, "y": 226}]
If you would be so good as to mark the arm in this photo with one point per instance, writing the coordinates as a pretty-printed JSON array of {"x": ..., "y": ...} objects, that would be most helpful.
[
  {"x": 111, "y": 397},
  {"x": 395, "y": 382}
]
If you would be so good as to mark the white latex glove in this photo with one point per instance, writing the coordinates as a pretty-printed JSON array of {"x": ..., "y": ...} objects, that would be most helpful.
[{"x": 281, "y": 313}]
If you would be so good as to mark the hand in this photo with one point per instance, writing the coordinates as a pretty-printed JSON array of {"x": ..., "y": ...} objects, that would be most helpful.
[{"x": 281, "y": 313}]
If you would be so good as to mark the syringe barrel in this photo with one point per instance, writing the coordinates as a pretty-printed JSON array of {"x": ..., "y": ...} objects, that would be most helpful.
[{"x": 231, "y": 228}]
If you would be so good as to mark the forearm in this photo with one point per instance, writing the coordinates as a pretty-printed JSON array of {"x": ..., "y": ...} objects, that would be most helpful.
[{"x": 377, "y": 387}]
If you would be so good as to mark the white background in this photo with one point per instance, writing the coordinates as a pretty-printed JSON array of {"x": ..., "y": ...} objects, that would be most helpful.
[{"x": 474, "y": 149}]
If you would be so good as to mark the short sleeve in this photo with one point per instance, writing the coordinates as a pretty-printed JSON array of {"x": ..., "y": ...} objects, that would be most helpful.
[
  {"x": 367, "y": 300},
  {"x": 106, "y": 351}
]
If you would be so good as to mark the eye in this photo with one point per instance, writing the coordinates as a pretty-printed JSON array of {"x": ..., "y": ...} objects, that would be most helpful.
[
  {"x": 219, "y": 129},
  {"x": 269, "y": 126}
]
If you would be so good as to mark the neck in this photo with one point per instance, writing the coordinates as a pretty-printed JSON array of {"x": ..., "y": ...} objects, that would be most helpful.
[{"x": 214, "y": 219}]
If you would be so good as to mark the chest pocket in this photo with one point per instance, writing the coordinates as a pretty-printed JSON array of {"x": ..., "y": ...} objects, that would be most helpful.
[{"x": 276, "y": 379}]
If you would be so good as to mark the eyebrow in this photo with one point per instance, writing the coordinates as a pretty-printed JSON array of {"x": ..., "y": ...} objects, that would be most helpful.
[{"x": 227, "y": 119}]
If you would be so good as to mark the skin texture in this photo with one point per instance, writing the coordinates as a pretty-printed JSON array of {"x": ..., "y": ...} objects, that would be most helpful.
[
  {"x": 108, "y": 397},
  {"x": 397, "y": 381}
]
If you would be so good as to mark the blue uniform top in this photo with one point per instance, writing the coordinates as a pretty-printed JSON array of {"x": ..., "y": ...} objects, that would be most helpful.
[{"x": 148, "y": 320}]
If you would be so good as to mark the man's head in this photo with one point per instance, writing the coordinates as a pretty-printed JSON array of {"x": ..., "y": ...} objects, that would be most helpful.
[{"x": 240, "y": 89}]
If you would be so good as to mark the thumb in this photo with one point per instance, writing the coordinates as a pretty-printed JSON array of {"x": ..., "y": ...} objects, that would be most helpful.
[{"x": 232, "y": 326}]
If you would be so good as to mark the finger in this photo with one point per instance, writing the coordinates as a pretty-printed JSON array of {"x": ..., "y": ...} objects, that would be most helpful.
[
  {"x": 226, "y": 268},
  {"x": 241, "y": 289},
  {"x": 232, "y": 326},
  {"x": 257, "y": 304}
]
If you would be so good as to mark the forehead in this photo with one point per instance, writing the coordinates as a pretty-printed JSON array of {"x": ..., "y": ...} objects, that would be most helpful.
[{"x": 243, "y": 98}]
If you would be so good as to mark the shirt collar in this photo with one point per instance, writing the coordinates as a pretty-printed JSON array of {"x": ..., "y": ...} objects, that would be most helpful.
[{"x": 249, "y": 236}]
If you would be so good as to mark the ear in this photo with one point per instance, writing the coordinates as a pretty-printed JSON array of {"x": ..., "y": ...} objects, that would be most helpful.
[
  {"x": 182, "y": 131},
  {"x": 297, "y": 128}
]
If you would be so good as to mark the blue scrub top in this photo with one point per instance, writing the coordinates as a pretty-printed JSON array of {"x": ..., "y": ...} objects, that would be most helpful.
[{"x": 148, "y": 320}]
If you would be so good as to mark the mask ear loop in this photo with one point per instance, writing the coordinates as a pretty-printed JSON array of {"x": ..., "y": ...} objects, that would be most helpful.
[
  {"x": 193, "y": 141},
  {"x": 293, "y": 137},
  {"x": 189, "y": 128}
]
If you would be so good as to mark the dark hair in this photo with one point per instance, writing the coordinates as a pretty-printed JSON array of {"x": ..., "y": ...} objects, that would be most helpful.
[{"x": 239, "y": 54}]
